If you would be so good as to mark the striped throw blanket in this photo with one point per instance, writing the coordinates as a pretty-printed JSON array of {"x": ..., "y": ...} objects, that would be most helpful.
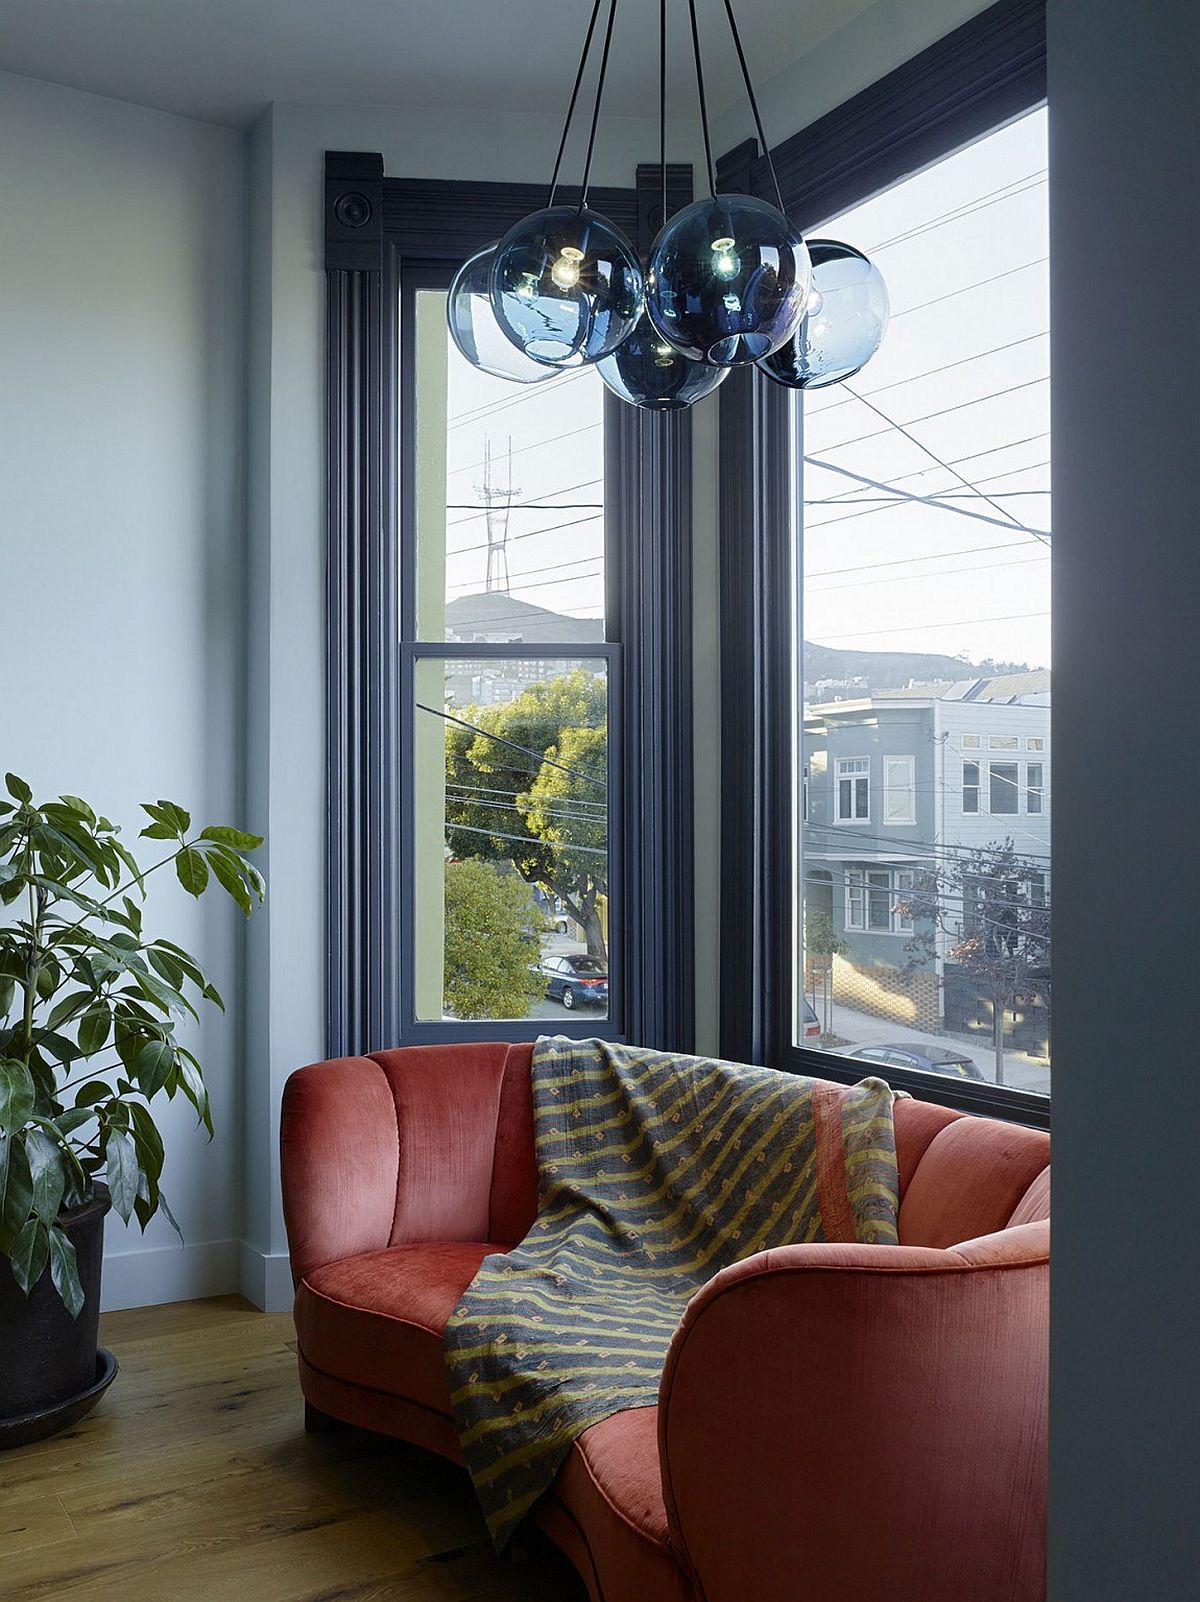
[{"x": 655, "y": 1171}]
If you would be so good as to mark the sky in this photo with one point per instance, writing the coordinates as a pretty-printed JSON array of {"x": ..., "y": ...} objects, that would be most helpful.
[{"x": 963, "y": 370}]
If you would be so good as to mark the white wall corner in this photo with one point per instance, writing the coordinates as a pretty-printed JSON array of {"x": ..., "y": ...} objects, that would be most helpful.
[
  {"x": 265, "y": 1278},
  {"x": 169, "y": 1274}
]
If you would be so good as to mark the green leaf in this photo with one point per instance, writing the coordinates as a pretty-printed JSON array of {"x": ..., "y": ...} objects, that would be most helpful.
[
  {"x": 163, "y": 994},
  {"x": 237, "y": 838},
  {"x": 64, "y": 1272},
  {"x": 170, "y": 1216},
  {"x": 167, "y": 967},
  {"x": 94, "y": 1028},
  {"x": 191, "y": 871},
  {"x": 16, "y": 1189},
  {"x": 71, "y": 1003},
  {"x": 148, "y": 1142},
  {"x": 121, "y": 1172},
  {"x": 159, "y": 831},
  {"x": 79, "y": 806},
  {"x": 192, "y": 1082},
  {"x": 167, "y": 812},
  {"x": 17, "y": 788},
  {"x": 72, "y": 1118},
  {"x": 231, "y": 880},
  {"x": 29, "y": 1253},
  {"x": 95, "y": 1090},
  {"x": 17, "y": 1096},
  {"x": 154, "y": 1063},
  {"x": 47, "y": 1173},
  {"x": 8, "y": 989}
]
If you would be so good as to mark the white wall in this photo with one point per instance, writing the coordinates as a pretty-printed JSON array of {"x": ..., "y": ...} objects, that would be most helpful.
[
  {"x": 1125, "y": 1314},
  {"x": 121, "y": 597}
]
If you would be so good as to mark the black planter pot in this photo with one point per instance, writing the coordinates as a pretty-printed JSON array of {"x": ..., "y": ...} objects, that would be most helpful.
[{"x": 51, "y": 1372}]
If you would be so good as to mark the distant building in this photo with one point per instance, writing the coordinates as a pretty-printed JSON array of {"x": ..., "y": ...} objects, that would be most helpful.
[
  {"x": 891, "y": 785},
  {"x": 493, "y": 618}
]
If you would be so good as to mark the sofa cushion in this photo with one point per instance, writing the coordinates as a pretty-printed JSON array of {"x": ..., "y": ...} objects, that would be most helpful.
[
  {"x": 377, "y": 1319},
  {"x": 611, "y": 1487},
  {"x": 1034, "y": 1205},
  {"x": 969, "y": 1181}
]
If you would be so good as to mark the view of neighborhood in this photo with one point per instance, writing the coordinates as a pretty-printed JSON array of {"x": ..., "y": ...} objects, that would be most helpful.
[{"x": 923, "y": 729}]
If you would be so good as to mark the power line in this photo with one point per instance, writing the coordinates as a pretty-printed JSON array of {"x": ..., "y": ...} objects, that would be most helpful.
[
  {"x": 926, "y": 417},
  {"x": 956, "y": 461},
  {"x": 903, "y": 428},
  {"x": 529, "y": 840},
  {"x": 854, "y": 497},
  {"x": 916, "y": 628},
  {"x": 914, "y": 378},
  {"x": 993, "y": 197},
  {"x": 536, "y": 504},
  {"x": 486, "y": 789},
  {"x": 930, "y": 501},
  {"x": 487, "y": 409},
  {"x": 966, "y": 289},
  {"x": 899, "y": 561},
  {"x": 540, "y": 758},
  {"x": 529, "y": 534},
  {"x": 556, "y": 804},
  {"x": 536, "y": 445},
  {"x": 901, "y": 578}
]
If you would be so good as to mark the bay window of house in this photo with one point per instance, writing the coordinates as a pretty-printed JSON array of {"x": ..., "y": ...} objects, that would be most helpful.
[{"x": 917, "y": 588}]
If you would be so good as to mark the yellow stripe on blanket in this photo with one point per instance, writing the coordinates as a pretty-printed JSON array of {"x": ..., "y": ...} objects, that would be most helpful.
[{"x": 655, "y": 1172}]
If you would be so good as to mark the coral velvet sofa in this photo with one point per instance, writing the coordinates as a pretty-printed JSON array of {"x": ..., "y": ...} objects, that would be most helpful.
[{"x": 836, "y": 1423}]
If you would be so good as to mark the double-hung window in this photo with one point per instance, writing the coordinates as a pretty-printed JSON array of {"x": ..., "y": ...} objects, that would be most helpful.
[
  {"x": 852, "y": 776},
  {"x": 899, "y": 789}
]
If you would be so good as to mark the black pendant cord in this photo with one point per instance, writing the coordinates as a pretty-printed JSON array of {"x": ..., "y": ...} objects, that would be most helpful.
[
  {"x": 708, "y": 155},
  {"x": 562, "y": 143},
  {"x": 750, "y": 95},
  {"x": 591, "y": 145},
  {"x": 662, "y": 103}
]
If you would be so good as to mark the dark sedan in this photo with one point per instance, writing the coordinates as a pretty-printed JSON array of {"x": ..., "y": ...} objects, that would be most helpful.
[
  {"x": 576, "y": 980},
  {"x": 927, "y": 1059}
]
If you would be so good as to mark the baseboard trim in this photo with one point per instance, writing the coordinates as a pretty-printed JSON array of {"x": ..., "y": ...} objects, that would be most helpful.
[
  {"x": 265, "y": 1278},
  {"x": 169, "y": 1274}
]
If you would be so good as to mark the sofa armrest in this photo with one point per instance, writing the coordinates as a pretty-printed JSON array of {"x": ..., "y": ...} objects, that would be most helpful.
[
  {"x": 339, "y": 1156},
  {"x": 863, "y": 1422}
]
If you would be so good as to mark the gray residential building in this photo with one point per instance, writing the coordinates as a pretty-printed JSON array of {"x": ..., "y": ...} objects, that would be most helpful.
[{"x": 904, "y": 781}]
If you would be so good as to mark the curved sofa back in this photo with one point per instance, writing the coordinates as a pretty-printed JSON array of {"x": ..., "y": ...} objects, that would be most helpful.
[{"x": 436, "y": 1143}]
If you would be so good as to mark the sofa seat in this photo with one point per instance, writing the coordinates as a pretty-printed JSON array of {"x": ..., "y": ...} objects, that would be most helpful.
[
  {"x": 376, "y": 1319},
  {"x": 607, "y": 1511}
]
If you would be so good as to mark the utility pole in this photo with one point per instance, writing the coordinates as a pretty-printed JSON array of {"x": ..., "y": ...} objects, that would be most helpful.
[{"x": 498, "y": 502}]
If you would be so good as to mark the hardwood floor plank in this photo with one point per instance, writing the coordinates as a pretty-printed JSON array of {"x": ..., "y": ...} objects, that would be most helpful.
[{"x": 194, "y": 1482}]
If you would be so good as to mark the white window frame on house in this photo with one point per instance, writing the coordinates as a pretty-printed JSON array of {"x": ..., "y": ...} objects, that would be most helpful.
[
  {"x": 862, "y": 884},
  {"x": 905, "y": 791},
  {"x": 1035, "y": 742},
  {"x": 1035, "y": 792},
  {"x": 1004, "y": 742},
  {"x": 972, "y": 742},
  {"x": 857, "y": 772},
  {"x": 971, "y": 788},
  {"x": 1015, "y": 782}
]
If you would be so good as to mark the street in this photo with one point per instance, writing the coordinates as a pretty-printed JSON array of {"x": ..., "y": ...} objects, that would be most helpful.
[{"x": 1021, "y": 1072}]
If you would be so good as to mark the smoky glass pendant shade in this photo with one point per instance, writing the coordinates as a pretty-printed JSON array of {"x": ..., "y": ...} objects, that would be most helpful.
[
  {"x": 474, "y": 329},
  {"x": 566, "y": 286},
  {"x": 843, "y": 324},
  {"x": 727, "y": 280},
  {"x": 648, "y": 372}
]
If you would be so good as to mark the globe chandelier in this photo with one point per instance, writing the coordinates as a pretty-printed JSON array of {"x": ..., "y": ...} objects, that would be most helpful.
[{"x": 727, "y": 282}]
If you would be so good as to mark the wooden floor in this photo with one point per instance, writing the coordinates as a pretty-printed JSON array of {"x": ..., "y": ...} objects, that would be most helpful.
[{"x": 193, "y": 1481}]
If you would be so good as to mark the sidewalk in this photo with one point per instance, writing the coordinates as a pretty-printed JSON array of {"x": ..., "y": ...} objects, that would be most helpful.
[{"x": 1021, "y": 1072}]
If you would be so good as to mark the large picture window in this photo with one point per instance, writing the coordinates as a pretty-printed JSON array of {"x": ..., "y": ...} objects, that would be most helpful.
[{"x": 923, "y": 556}]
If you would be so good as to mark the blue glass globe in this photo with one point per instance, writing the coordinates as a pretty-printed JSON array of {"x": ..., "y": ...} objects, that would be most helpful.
[
  {"x": 474, "y": 329},
  {"x": 648, "y": 372},
  {"x": 727, "y": 280},
  {"x": 566, "y": 287},
  {"x": 843, "y": 324}
]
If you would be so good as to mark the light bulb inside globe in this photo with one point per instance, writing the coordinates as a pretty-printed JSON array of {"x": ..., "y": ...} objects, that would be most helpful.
[
  {"x": 725, "y": 263},
  {"x": 844, "y": 320},
  {"x": 565, "y": 271},
  {"x": 474, "y": 329}
]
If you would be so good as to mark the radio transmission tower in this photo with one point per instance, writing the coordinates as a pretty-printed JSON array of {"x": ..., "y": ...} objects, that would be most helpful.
[{"x": 498, "y": 500}]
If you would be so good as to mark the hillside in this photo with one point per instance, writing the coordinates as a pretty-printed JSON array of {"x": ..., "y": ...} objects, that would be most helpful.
[{"x": 892, "y": 670}]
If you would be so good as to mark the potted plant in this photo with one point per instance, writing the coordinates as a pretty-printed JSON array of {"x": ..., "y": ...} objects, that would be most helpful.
[{"x": 90, "y": 1006}]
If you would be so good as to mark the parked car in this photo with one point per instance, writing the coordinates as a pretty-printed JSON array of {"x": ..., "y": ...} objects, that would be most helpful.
[
  {"x": 812, "y": 1024},
  {"x": 928, "y": 1059},
  {"x": 576, "y": 979}
]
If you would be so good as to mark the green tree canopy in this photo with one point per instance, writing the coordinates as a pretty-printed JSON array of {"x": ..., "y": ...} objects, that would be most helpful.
[
  {"x": 492, "y": 947},
  {"x": 527, "y": 783}
]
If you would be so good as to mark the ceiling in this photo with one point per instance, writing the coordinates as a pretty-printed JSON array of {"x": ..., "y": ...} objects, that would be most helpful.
[{"x": 226, "y": 60}]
